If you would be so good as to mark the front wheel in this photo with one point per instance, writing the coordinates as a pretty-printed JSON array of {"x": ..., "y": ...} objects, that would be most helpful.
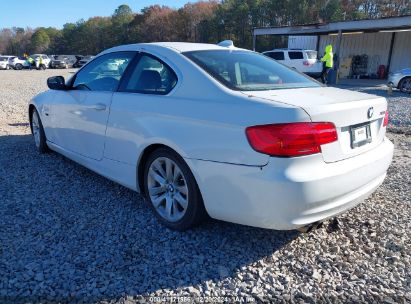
[
  {"x": 405, "y": 85},
  {"x": 19, "y": 66},
  {"x": 7, "y": 67},
  {"x": 172, "y": 191},
  {"x": 38, "y": 132}
]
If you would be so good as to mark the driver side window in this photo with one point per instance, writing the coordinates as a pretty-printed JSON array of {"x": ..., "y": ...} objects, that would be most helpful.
[{"x": 103, "y": 73}]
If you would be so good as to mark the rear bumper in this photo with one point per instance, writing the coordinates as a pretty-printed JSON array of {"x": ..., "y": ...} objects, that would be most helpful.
[
  {"x": 57, "y": 65},
  {"x": 290, "y": 192},
  {"x": 314, "y": 74}
]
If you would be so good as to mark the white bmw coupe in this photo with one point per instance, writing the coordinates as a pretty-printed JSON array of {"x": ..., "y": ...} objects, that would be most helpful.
[{"x": 203, "y": 129}]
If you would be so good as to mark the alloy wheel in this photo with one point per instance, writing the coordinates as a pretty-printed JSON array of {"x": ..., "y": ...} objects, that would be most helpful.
[
  {"x": 167, "y": 187},
  {"x": 35, "y": 124},
  {"x": 406, "y": 85}
]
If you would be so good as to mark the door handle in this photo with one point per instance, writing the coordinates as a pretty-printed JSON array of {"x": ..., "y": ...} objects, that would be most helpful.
[{"x": 99, "y": 107}]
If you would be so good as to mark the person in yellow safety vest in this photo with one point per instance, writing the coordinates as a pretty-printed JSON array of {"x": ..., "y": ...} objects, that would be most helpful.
[
  {"x": 328, "y": 62},
  {"x": 30, "y": 62},
  {"x": 39, "y": 63}
]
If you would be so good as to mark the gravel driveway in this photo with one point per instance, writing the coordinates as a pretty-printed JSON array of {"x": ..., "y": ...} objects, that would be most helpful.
[{"x": 69, "y": 235}]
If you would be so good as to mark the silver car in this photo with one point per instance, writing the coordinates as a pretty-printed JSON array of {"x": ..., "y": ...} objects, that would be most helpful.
[{"x": 401, "y": 80}]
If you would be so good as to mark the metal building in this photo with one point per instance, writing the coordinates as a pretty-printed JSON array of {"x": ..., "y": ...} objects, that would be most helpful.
[{"x": 385, "y": 41}]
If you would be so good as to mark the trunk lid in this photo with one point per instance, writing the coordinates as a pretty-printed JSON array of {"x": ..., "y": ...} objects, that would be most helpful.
[{"x": 348, "y": 110}]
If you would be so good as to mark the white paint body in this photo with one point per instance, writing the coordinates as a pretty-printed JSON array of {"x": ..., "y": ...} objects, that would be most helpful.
[{"x": 205, "y": 123}]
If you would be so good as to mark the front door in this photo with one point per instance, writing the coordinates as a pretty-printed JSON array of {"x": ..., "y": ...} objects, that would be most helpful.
[{"x": 80, "y": 114}]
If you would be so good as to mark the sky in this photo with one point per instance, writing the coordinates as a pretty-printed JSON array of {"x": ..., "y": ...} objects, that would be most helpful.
[{"x": 55, "y": 13}]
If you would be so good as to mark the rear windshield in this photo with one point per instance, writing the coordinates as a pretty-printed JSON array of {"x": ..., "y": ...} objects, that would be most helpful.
[
  {"x": 249, "y": 71},
  {"x": 4, "y": 59},
  {"x": 311, "y": 54}
]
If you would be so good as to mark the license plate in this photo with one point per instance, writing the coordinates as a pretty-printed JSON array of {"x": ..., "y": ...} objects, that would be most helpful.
[{"x": 360, "y": 135}]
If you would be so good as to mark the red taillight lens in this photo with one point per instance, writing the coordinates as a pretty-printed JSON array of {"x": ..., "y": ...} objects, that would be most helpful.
[
  {"x": 385, "y": 119},
  {"x": 291, "y": 139},
  {"x": 306, "y": 63}
]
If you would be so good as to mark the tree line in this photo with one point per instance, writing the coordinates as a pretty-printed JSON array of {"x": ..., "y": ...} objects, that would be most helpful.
[{"x": 204, "y": 21}]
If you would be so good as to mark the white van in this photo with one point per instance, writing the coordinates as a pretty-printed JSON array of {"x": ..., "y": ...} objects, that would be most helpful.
[{"x": 304, "y": 61}]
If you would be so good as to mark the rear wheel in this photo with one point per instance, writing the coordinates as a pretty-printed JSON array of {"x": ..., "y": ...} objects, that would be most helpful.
[
  {"x": 172, "y": 190},
  {"x": 7, "y": 67},
  {"x": 38, "y": 132},
  {"x": 405, "y": 85}
]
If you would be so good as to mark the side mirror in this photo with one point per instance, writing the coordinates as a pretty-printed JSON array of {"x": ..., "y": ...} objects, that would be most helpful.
[{"x": 56, "y": 83}]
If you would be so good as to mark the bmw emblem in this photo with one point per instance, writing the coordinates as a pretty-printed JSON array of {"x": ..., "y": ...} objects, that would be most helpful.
[{"x": 370, "y": 112}]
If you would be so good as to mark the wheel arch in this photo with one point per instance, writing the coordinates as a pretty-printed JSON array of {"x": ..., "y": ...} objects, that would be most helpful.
[
  {"x": 32, "y": 107},
  {"x": 143, "y": 158}
]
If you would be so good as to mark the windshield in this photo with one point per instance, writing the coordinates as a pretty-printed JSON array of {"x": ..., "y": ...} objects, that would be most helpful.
[{"x": 249, "y": 71}]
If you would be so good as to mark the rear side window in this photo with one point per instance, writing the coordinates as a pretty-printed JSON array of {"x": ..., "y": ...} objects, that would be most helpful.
[
  {"x": 276, "y": 55},
  {"x": 150, "y": 76},
  {"x": 296, "y": 55}
]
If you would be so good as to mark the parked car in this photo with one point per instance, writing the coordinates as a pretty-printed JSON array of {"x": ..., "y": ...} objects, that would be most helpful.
[
  {"x": 209, "y": 129},
  {"x": 17, "y": 63},
  {"x": 4, "y": 62},
  {"x": 401, "y": 80},
  {"x": 83, "y": 61},
  {"x": 304, "y": 61},
  {"x": 63, "y": 61},
  {"x": 78, "y": 58}
]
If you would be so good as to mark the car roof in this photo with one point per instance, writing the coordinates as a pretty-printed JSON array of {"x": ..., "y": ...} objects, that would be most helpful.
[{"x": 179, "y": 47}]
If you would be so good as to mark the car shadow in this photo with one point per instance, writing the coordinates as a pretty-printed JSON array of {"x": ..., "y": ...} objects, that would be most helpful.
[
  {"x": 68, "y": 234},
  {"x": 19, "y": 124}
]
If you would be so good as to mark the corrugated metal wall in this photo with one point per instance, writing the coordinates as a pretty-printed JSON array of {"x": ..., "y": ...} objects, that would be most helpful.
[
  {"x": 375, "y": 45},
  {"x": 302, "y": 42},
  {"x": 401, "y": 53}
]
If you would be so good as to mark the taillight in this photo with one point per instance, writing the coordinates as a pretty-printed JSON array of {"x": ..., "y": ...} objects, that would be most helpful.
[
  {"x": 291, "y": 139},
  {"x": 305, "y": 62},
  {"x": 385, "y": 119}
]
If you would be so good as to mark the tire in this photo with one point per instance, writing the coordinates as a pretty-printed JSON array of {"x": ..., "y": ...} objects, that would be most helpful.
[
  {"x": 38, "y": 132},
  {"x": 405, "y": 85},
  {"x": 7, "y": 67},
  {"x": 19, "y": 66},
  {"x": 168, "y": 182}
]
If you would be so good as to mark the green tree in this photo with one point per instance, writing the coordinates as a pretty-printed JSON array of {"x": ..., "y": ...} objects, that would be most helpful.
[
  {"x": 121, "y": 20},
  {"x": 40, "y": 41}
]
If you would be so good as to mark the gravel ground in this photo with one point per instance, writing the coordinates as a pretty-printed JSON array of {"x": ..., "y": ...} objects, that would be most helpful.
[{"x": 69, "y": 235}]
